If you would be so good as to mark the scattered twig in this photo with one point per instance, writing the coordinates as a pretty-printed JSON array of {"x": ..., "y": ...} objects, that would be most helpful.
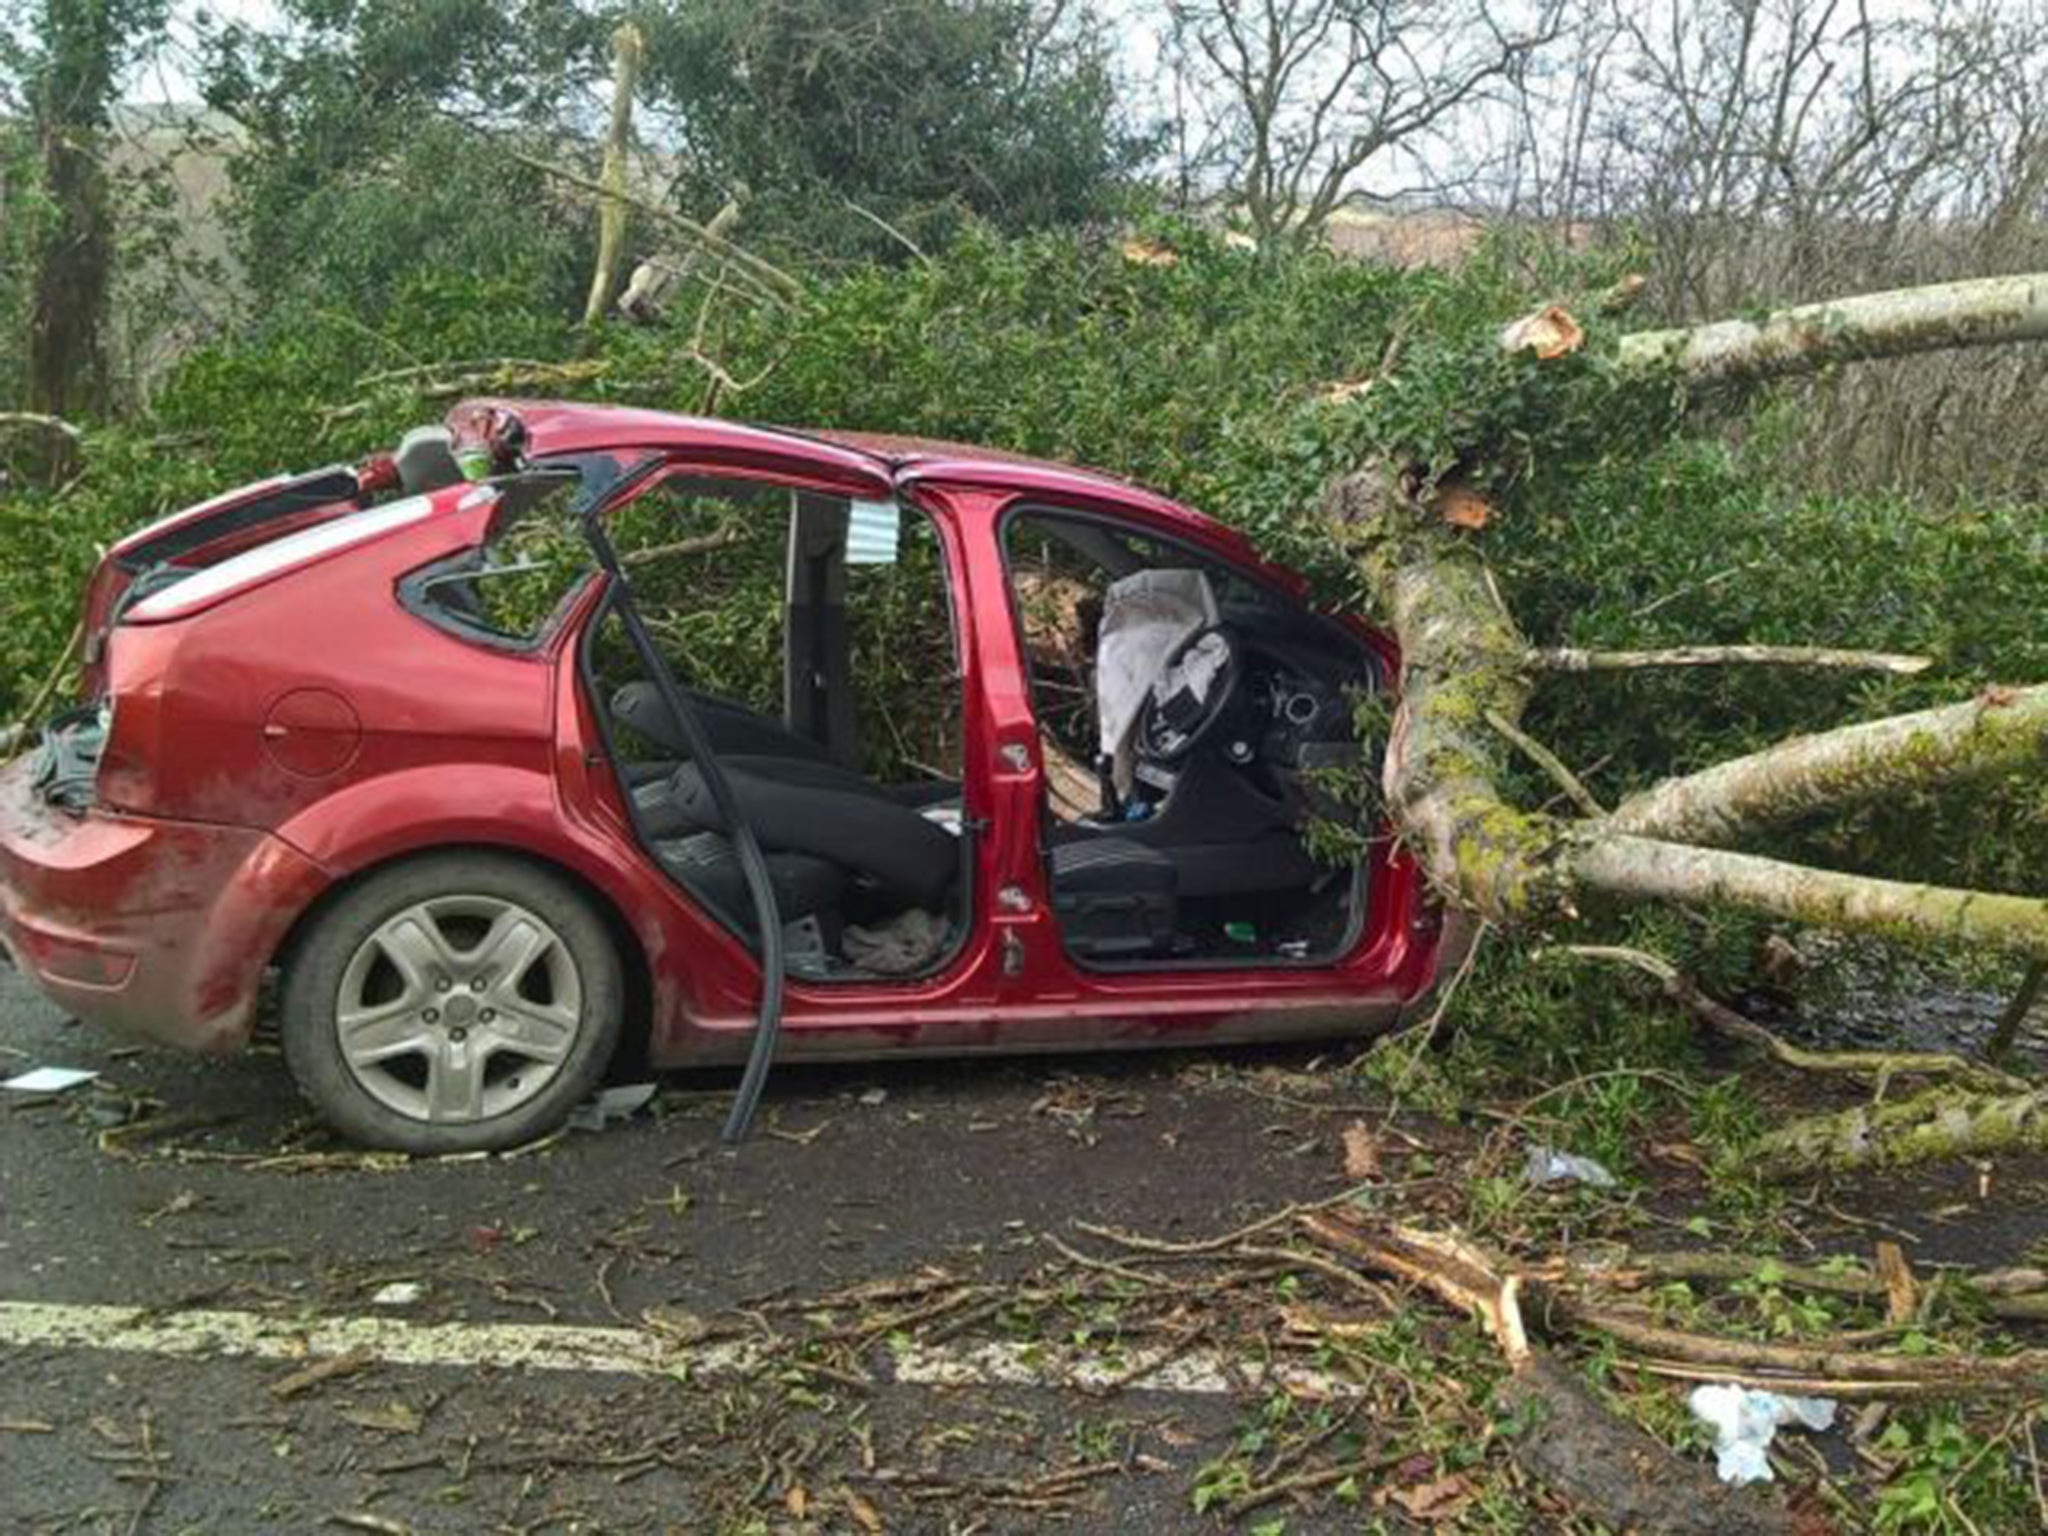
[
  {"x": 1724, "y": 1020},
  {"x": 363, "y": 1520},
  {"x": 308, "y": 1377},
  {"x": 1578, "y": 1448},
  {"x": 1309, "y": 1482}
]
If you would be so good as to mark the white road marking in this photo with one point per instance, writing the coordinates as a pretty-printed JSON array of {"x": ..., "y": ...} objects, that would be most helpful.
[{"x": 617, "y": 1351}]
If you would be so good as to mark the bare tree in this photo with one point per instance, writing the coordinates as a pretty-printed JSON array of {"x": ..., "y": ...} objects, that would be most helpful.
[
  {"x": 1774, "y": 151},
  {"x": 1307, "y": 98}
]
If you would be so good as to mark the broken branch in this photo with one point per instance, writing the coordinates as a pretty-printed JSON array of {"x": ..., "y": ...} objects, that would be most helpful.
[
  {"x": 1570, "y": 659},
  {"x": 1808, "y": 337},
  {"x": 1933, "y": 1124},
  {"x": 1723, "y": 1020},
  {"x": 627, "y": 48},
  {"x": 773, "y": 283},
  {"x": 1576, "y": 1446}
]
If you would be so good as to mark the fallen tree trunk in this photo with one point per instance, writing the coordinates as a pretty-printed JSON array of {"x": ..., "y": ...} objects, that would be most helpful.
[
  {"x": 1466, "y": 680},
  {"x": 1468, "y": 673}
]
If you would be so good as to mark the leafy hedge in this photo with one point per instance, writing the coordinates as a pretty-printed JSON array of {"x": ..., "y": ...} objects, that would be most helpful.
[{"x": 1630, "y": 516}]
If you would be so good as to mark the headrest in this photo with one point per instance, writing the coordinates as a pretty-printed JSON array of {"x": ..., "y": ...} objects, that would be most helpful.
[{"x": 426, "y": 460}]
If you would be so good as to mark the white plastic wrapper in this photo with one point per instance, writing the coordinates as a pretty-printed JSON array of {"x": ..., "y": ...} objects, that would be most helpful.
[
  {"x": 1144, "y": 616},
  {"x": 1745, "y": 1421},
  {"x": 1547, "y": 1165}
]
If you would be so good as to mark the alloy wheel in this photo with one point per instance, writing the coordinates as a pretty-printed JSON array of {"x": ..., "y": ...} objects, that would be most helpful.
[{"x": 458, "y": 1008}]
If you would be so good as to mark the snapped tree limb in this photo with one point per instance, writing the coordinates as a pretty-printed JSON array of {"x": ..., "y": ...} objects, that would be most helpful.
[
  {"x": 1572, "y": 659},
  {"x": 1466, "y": 679},
  {"x": 765, "y": 279},
  {"x": 1807, "y": 337},
  {"x": 627, "y": 49},
  {"x": 1467, "y": 675}
]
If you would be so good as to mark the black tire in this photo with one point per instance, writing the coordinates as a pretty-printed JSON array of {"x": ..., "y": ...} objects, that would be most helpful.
[{"x": 350, "y": 939}]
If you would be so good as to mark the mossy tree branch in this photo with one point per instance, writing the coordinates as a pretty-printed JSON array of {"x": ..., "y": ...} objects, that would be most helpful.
[
  {"x": 1466, "y": 679},
  {"x": 1468, "y": 673}
]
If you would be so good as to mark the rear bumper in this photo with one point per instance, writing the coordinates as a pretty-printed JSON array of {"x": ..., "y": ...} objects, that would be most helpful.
[{"x": 162, "y": 928}]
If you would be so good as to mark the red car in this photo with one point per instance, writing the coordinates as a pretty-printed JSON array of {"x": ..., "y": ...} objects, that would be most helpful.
[{"x": 572, "y": 736}]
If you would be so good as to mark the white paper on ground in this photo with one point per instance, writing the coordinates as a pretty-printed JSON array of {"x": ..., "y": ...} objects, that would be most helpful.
[
  {"x": 49, "y": 1080},
  {"x": 1745, "y": 1421}
]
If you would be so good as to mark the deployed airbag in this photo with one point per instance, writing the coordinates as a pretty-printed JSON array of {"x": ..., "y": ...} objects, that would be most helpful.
[{"x": 1145, "y": 616}]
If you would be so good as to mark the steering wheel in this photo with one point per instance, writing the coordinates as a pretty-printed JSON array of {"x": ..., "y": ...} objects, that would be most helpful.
[{"x": 1172, "y": 726}]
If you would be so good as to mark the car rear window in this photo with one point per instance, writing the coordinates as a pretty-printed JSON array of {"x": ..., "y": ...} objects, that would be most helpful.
[{"x": 512, "y": 586}]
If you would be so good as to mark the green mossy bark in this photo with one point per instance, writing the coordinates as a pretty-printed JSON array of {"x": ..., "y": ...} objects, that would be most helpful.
[
  {"x": 1998, "y": 733},
  {"x": 1940, "y": 1123},
  {"x": 1462, "y": 659},
  {"x": 1465, "y": 666},
  {"x": 1643, "y": 869}
]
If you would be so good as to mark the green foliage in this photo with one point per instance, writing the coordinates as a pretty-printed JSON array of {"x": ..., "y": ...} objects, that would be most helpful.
[
  {"x": 361, "y": 165},
  {"x": 1626, "y": 516},
  {"x": 64, "y": 59},
  {"x": 830, "y": 119},
  {"x": 20, "y": 209},
  {"x": 1950, "y": 1477}
]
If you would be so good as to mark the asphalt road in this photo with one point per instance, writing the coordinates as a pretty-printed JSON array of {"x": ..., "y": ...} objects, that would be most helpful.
[{"x": 176, "y": 1184}]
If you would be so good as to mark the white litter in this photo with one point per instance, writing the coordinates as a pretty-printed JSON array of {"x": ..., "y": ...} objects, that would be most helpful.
[
  {"x": 399, "y": 1293},
  {"x": 610, "y": 1104},
  {"x": 1745, "y": 1421},
  {"x": 1547, "y": 1165},
  {"x": 49, "y": 1080}
]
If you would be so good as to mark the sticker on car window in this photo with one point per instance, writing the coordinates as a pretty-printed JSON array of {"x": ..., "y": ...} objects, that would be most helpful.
[{"x": 873, "y": 529}]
